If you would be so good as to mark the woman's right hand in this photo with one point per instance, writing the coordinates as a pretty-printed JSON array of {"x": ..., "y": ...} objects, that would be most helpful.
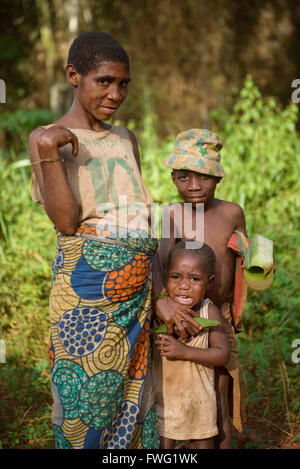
[
  {"x": 176, "y": 316},
  {"x": 53, "y": 138}
]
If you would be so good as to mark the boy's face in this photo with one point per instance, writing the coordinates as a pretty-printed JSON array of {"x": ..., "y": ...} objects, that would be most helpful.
[
  {"x": 102, "y": 91},
  {"x": 188, "y": 279},
  {"x": 194, "y": 187}
]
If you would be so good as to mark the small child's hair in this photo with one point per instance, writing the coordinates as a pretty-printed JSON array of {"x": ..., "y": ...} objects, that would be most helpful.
[
  {"x": 92, "y": 48},
  {"x": 204, "y": 251}
]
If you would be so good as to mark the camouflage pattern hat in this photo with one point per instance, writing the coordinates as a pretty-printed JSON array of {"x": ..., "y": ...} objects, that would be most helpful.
[{"x": 197, "y": 150}]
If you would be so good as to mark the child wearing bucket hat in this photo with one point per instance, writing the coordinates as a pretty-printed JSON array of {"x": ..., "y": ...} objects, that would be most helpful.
[
  {"x": 197, "y": 150},
  {"x": 196, "y": 171}
]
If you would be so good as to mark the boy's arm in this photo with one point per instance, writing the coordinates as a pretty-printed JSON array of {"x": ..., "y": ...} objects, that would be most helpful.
[
  {"x": 167, "y": 239},
  {"x": 238, "y": 218},
  {"x": 160, "y": 258},
  {"x": 166, "y": 309},
  {"x": 158, "y": 285},
  {"x": 216, "y": 355},
  {"x": 239, "y": 288}
]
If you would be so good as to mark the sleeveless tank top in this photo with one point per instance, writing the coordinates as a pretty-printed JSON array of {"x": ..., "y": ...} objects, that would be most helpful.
[{"x": 105, "y": 180}]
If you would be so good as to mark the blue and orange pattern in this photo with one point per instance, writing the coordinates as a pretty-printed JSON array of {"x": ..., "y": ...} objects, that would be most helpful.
[{"x": 99, "y": 350}]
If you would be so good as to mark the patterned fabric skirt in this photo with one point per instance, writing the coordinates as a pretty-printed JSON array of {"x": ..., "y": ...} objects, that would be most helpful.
[{"x": 99, "y": 350}]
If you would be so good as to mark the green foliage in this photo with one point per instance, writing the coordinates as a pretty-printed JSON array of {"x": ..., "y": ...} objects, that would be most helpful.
[
  {"x": 153, "y": 152},
  {"x": 261, "y": 159},
  {"x": 23, "y": 121},
  {"x": 261, "y": 155},
  {"x": 25, "y": 275},
  {"x": 18, "y": 124},
  {"x": 9, "y": 49}
]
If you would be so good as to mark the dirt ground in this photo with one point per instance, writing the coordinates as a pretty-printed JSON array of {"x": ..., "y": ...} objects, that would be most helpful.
[
  {"x": 262, "y": 435},
  {"x": 266, "y": 435}
]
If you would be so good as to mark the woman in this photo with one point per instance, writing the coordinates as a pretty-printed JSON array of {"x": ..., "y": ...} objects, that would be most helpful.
[{"x": 87, "y": 178}]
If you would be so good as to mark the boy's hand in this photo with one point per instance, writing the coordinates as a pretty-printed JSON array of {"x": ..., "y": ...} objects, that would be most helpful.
[
  {"x": 175, "y": 315},
  {"x": 170, "y": 347}
]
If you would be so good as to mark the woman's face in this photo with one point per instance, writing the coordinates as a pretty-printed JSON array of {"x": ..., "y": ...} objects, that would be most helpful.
[{"x": 102, "y": 91}]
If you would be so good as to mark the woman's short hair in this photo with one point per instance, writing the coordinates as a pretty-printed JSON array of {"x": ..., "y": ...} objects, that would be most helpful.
[{"x": 92, "y": 48}]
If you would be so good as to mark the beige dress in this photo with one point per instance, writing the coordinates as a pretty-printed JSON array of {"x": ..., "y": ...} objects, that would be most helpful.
[{"x": 185, "y": 393}]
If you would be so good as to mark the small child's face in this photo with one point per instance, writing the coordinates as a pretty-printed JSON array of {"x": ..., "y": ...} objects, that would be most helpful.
[
  {"x": 188, "y": 279},
  {"x": 194, "y": 187}
]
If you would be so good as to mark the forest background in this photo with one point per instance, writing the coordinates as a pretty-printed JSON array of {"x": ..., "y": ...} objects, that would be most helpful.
[{"x": 227, "y": 66}]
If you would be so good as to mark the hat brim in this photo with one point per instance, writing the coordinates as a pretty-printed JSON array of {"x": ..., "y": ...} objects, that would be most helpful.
[{"x": 199, "y": 165}]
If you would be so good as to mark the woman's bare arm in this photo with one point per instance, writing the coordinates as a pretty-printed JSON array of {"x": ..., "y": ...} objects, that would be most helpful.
[{"x": 60, "y": 204}]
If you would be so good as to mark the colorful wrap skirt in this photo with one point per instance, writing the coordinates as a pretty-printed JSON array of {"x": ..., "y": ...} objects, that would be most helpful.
[{"x": 99, "y": 350}]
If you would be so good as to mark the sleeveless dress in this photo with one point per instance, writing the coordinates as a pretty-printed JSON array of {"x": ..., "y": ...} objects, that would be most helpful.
[
  {"x": 100, "y": 301},
  {"x": 185, "y": 393}
]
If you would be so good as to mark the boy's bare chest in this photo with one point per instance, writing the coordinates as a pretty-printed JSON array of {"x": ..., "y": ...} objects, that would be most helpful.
[{"x": 214, "y": 229}]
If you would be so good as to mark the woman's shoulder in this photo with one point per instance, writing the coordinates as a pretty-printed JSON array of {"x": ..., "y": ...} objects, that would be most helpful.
[
  {"x": 37, "y": 132},
  {"x": 33, "y": 140},
  {"x": 34, "y": 134}
]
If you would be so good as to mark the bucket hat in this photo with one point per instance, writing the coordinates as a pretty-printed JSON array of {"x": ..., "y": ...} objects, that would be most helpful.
[{"x": 197, "y": 150}]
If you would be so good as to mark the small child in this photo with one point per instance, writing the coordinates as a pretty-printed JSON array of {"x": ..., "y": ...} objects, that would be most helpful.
[
  {"x": 184, "y": 371},
  {"x": 196, "y": 171}
]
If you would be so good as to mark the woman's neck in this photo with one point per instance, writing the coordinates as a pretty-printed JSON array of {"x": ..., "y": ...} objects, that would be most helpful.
[{"x": 77, "y": 118}]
